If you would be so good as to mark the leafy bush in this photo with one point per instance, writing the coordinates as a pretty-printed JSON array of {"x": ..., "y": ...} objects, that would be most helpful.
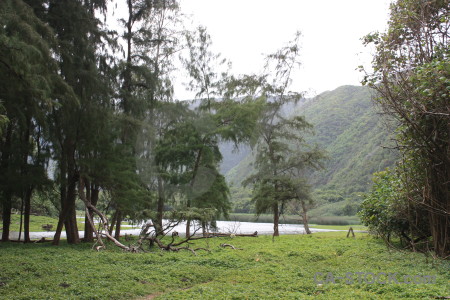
[
  {"x": 377, "y": 209},
  {"x": 387, "y": 212}
]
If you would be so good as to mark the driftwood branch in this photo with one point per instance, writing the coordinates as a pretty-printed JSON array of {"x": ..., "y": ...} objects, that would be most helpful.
[
  {"x": 149, "y": 232},
  {"x": 103, "y": 220},
  {"x": 231, "y": 246},
  {"x": 350, "y": 230}
]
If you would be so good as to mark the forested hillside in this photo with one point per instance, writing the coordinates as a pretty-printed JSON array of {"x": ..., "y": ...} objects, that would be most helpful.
[{"x": 348, "y": 127}]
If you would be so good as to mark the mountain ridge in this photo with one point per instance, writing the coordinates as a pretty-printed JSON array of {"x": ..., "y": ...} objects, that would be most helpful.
[{"x": 348, "y": 127}]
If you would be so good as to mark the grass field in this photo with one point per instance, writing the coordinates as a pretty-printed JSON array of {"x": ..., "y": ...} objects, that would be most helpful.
[
  {"x": 264, "y": 269},
  {"x": 36, "y": 223}
]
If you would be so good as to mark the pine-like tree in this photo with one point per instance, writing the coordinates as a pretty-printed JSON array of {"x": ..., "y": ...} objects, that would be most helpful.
[{"x": 29, "y": 83}]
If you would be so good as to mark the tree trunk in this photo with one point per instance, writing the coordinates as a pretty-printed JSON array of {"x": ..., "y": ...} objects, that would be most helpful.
[
  {"x": 67, "y": 216},
  {"x": 26, "y": 195},
  {"x": 88, "y": 232},
  {"x": 59, "y": 227},
  {"x": 71, "y": 226},
  {"x": 7, "y": 195},
  {"x": 71, "y": 219},
  {"x": 62, "y": 194},
  {"x": 440, "y": 201},
  {"x": 118, "y": 222},
  {"x": 21, "y": 219},
  {"x": 440, "y": 232},
  {"x": 6, "y": 214},
  {"x": 305, "y": 217},
  {"x": 160, "y": 207},
  {"x": 204, "y": 228},
  {"x": 194, "y": 175},
  {"x": 92, "y": 197},
  {"x": 27, "y": 213},
  {"x": 188, "y": 227},
  {"x": 113, "y": 222},
  {"x": 276, "y": 219}
]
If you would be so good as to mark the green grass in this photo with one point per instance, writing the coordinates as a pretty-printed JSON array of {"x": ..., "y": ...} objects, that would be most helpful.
[
  {"x": 264, "y": 269},
  {"x": 36, "y": 223}
]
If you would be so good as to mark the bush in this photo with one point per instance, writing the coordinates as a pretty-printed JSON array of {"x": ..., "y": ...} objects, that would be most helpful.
[{"x": 387, "y": 212}]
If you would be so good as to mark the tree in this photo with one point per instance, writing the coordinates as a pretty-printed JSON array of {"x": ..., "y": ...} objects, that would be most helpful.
[
  {"x": 411, "y": 73},
  {"x": 28, "y": 84},
  {"x": 281, "y": 154},
  {"x": 151, "y": 40},
  {"x": 225, "y": 119},
  {"x": 77, "y": 28}
]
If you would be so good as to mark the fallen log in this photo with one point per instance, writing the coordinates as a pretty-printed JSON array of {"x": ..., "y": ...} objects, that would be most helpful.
[{"x": 42, "y": 240}]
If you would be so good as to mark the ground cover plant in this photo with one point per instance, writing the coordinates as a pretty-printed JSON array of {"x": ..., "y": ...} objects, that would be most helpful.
[{"x": 283, "y": 268}]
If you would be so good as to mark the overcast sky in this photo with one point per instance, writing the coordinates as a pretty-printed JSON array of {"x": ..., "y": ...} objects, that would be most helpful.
[{"x": 243, "y": 30}]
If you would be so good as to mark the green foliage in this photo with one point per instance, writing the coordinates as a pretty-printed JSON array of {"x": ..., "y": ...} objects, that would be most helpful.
[
  {"x": 263, "y": 270},
  {"x": 411, "y": 75},
  {"x": 201, "y": 66},
  {"x": 241, "y": 199},
  {"x": 26, "y": 61},
  {"x": 386, "y": 211},
  {"x": 378, "y": 209},
  {"x": 46, "y": 202}
]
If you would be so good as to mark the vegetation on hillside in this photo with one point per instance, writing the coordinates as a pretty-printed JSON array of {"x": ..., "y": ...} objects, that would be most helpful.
[{"x": 353, "y": 134}]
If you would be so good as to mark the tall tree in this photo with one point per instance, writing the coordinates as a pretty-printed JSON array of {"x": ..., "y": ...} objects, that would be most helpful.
[
  {"x": 151, "y": 40},
  {"x": 281, "y": 153},
  {"x": 78, "y": 31},
  {"x": 218, "y": 117},
  {"x": 28, "y": 84},
  {"x": 411, "y": 73}
]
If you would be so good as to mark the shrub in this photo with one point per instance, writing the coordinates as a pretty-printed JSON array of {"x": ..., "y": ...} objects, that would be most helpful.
[{"x": 387, "y": 212}]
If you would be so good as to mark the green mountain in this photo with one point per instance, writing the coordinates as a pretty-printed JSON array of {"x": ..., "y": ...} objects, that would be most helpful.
[{"x": 356, "y": 139}]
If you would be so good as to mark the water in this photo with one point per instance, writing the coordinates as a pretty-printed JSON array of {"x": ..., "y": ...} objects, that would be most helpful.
[{"x": 223, "y": 227}]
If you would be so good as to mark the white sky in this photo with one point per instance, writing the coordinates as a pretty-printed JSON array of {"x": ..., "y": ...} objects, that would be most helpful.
[{"x": 243, "y": 30}]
